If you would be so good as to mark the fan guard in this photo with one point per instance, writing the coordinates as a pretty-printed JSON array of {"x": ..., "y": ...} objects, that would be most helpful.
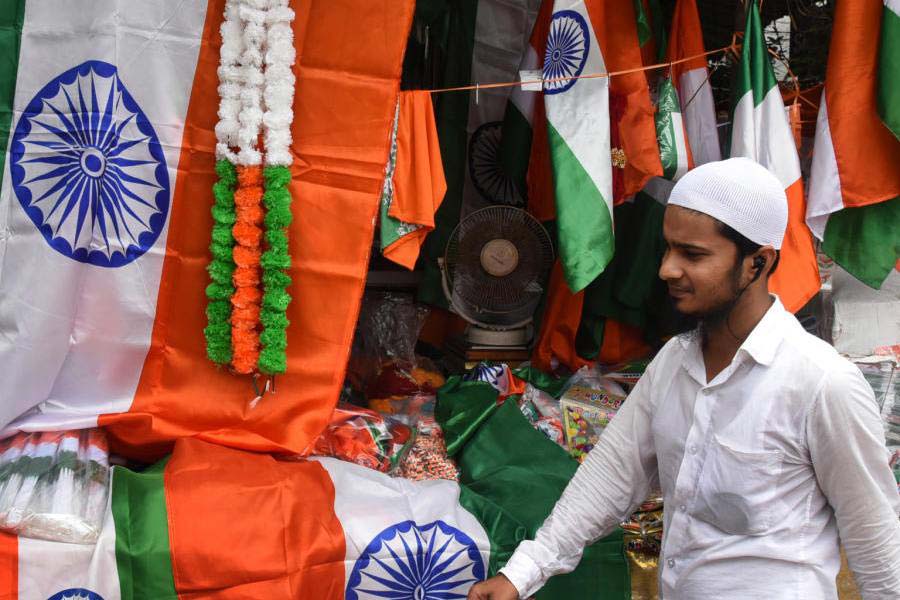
[{"x": 496, "y": 264}]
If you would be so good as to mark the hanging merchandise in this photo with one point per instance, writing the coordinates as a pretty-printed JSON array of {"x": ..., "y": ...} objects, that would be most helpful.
[
  {"x": 760, "y": 131},
  {"x": 691, "y": 81},
  {"x": 671, "y": 134},
  {"x": 854, "y": 182},
  {"x": 414, "y": 184},
  {"x": 247, "y": 297},
  {"x": 54, "y": 485}
]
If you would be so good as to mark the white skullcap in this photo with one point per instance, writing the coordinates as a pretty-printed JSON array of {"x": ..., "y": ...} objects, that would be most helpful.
[{"x": 740, "y": 193}]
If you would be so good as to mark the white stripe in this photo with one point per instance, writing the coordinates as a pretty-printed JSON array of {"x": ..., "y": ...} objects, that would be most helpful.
[
  {"x": 825, "y": 195},
  {"x": 893, "y": 5},
  {"x": 522, "y": 100},
  {"x": 699, "y": 116},
  {"x": 47, "y": 568},
  {"x": 680, "y": 145},
  {"x": 763, "y": 134},
  {"x": 581, "y": 114},
  {"x": 368, "y": 502},
  {"x": 74, "y": 335}
]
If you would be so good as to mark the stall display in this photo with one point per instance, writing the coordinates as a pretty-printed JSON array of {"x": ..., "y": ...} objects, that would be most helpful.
[{"x": 54, "y": 485}]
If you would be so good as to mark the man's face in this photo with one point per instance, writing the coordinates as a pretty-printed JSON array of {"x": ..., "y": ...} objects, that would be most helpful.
[{"x": 700, "y": 265}]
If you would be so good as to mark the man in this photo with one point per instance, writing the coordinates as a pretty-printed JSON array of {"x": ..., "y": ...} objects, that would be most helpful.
[{"x": 766, "y": 443}]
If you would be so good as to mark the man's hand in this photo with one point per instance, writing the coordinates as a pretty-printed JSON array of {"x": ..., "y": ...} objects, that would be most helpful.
[{"x": 495, "y": 588}]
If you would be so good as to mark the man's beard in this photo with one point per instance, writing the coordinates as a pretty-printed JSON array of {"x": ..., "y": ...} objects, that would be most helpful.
[{"x": 694, "y": 324}]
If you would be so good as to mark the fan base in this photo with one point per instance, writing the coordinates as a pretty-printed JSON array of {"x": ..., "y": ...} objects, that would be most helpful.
[{"x": 515, "y": 337}]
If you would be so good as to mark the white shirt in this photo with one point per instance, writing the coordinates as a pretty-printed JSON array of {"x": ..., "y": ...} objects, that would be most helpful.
[{"x": 761, "y": 470}]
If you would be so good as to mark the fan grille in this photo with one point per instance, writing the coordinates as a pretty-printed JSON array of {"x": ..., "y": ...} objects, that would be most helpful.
[{"x": 484, "y": 298}]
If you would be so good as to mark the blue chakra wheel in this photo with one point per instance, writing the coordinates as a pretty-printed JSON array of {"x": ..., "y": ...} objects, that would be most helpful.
[
  {"x": 568, "y": 44},
  {"x": 76, "y": 594},
  {"x": 88, "y": 169},
  {"x": 417, "y": 562},
  {"x": 488, "y": 175}
]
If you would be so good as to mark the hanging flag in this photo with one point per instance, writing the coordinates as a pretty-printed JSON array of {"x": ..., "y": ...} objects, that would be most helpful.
[
  {"x": 854, "y": 188},
  {"x": 691, "y": 80},
  {"x": 484, "y": 44},
  {"x": 212, "y": 521},
  {"x": 578, "y": 135},
  {"x": 414, "y": 184},
  {"x": 889, "y": 67},
  {"x": 760, "y": 131},
  {"x": 671, "y": 133},
  {"x": 106, "y": 195}
]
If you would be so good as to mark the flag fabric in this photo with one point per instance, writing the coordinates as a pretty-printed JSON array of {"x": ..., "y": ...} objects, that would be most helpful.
[
  {"x": 214, "y": 522},
  {"x": 484, "y": 44},
  {"x": 578, "y": 136},
  {"x": 671, "y": 133},
  {"x": 854, "y": 188},
  {"x": 889, "y": 66},
  {"x": 691, "y": 80},
  {"x": 98, "y": 330},
  {"x": 414, "y": 184},
  {"x": 760, "y": 131}
]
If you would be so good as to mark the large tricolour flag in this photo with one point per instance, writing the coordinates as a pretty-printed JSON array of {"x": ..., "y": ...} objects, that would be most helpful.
[
  {"x": 105, "y": 196},
  {"x": 854, "y": 188},
  {"x": 760, "y": 131},
  {"x": 211, "y": 522}
]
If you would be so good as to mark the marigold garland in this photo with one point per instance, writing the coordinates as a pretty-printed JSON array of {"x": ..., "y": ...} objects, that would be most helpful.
[
  {"x": 248, "y": 298},
  {"x": 221, "y": 268}
]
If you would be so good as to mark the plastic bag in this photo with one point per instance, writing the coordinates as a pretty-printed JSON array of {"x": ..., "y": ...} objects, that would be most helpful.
[
  {"x": 365, "y": 438},
  {"x": 427, "y": 457},
  {"x": 54, "y": 485}
]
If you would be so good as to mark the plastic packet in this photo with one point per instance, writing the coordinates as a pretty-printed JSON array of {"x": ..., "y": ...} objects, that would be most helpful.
[
  {"x": 364, "y": 437},
  {"x": 54, "y": 485},
  {"x": 427, "y": 457}
]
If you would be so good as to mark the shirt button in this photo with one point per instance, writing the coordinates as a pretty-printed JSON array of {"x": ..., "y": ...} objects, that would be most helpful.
[
  {"x": 693, "y": 449},
  {"x": 682, "y": 508},
  {"x": 671, "y": 563}
]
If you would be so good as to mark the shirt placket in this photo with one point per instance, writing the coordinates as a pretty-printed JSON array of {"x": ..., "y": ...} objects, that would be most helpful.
[{"x": 695, "y": 452}]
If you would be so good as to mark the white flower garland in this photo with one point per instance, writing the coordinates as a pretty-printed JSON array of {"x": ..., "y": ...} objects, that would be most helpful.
[
  {"x": 256, "y": 82},
  {"x": 279, "y": 86},
  {"x": 230, "y": 83}
]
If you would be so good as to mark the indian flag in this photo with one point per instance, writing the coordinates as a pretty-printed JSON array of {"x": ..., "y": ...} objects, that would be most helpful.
[
  {"x": 889, "y": 67},
  {"x": 216, "y": 522},
  {"x": 691, "y": 81},
  {"x": 578, "y": 136},
  {"x": 671, "y": 133},
  {"x": 107, "y": 111},
  {"x": 760, "y": 130},
  {"x": 854, "y": 189}
]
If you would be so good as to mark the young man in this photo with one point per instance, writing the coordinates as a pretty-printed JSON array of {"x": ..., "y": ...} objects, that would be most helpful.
[{"x": 767, "y": 444}]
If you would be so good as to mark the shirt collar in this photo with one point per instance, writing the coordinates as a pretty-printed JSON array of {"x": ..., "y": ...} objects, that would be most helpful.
[{"x": 763, "y": 341}]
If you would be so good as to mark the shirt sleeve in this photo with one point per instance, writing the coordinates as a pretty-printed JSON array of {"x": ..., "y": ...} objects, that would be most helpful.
[
  {"x": 846, "y": 443},
  {"x": 613, "y": 480}
]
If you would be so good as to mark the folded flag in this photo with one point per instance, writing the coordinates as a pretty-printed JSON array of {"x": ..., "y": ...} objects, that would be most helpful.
[{"x": 216, "y": 522}]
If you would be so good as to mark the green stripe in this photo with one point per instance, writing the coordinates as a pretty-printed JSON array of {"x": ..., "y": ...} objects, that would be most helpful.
[
  {"x": 755, "y": 70},
  {"x": 665, "y": 129},
  {"x": 889, "y": 71},
  {"x": 583, "y": 221},
  {"x": 643, "y": 23},
  {"x": 143, "y": 555},
  {"x": 12, "y": 13},
  {"x": 515, "y": 148},
  {"x": 865, "y": 241},
  {"x": 511, "y": 493}
]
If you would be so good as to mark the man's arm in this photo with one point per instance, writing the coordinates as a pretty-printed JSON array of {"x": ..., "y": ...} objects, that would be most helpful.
[
  {"x": 846, "y": 444},
  {"x": 614, "y": 479}
]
